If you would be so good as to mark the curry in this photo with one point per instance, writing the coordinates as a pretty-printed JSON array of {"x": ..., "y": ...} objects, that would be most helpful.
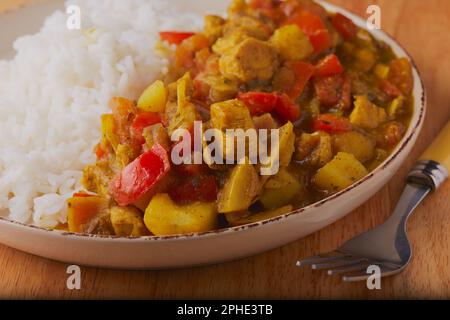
[{"x": 340, "y": 99}]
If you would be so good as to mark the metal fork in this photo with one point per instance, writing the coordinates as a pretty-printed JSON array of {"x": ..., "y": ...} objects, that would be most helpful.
[{"x": 386, "y": 246}]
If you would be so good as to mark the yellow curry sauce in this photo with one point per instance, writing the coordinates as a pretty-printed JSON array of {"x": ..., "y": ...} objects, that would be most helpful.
[{"x": 340, "y": 98}]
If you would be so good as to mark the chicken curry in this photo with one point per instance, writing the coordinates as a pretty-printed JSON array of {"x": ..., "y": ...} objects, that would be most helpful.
[{"x": 340, "y": 98}]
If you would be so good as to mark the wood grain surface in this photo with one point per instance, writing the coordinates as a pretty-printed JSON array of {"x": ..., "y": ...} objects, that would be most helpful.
[{"x": 420, "y": 26}]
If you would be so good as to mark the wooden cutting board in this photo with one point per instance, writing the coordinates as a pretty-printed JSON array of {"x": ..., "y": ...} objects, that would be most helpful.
[{"x": 421, "y": 27}]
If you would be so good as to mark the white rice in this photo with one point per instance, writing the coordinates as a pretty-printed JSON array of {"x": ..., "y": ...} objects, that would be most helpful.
[{"x": 55, "y": 89}]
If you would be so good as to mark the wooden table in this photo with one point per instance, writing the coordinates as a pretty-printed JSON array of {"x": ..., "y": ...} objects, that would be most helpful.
[{"x": 422, "y": 27}]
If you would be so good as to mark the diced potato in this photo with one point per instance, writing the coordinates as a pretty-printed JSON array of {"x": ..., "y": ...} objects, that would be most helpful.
[
  {"x": 291, "y": 43},
  {"x": 367, "y": 115},
  {"x": 81, "y": 210},
  {"x": 154, "y": 98},
  {"x": 280, "y": 190},
  {"x": 287, "y": 144},
  {"x": 361, "y": 146},
  {"x": 381, "y": 71},
  {"x": 108, "y": 135},
  {"x": 314, "y": 149},
  {"x": 340, "y": 173},
  {"x": 231, "y": 114},
  {"x": 250, "y": 60},
  {"x": 164, "y": 217},
  {"x": 128, "y": 222},
  {"x": 262, "y": 216},
  {"x": 240, "y": 190},
  {"x": 365, "y": 59},
  {"x": 396, "y": 107},
  {"x": 184, "y": 90},
  {"x": 266, "y": 121}
]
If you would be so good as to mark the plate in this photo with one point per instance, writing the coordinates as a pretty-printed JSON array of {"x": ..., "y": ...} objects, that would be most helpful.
[{"x": 216, "y": 246}]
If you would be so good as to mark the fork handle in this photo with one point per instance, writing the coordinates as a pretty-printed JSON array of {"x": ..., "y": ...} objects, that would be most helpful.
[{"x": 433, "y": 168}]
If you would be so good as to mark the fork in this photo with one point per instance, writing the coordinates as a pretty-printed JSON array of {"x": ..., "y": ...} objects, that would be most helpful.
[{"x": 387, "y": 246}]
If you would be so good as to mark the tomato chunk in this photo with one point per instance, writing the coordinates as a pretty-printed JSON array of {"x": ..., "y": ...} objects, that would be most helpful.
[
  {"x": 173, "y": 37},
  {"x": 259, "y": 102},
  {"x": 344, "y": 26},
  {"x": 140, "y": 176},
  {"x": 391, "y": 90},
  {"x": 314, "y": 27},
  {"x": 198, "y": 188},
  {"x": 329, "y": 66},
  {"x": 331, "y": 124}
]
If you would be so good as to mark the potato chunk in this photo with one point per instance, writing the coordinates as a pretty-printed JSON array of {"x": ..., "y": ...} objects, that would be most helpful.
[
  {"x": 280, "y": 190},
  {"x": 250, "y": 60},
  {"x": 154, "y": 98},
  {"x": 240, "y": 190},
  {"x": 367, "y": 115},
  {"x": 287, "y": 144},
  {"x": 291, "y": 43},
  {"x": 82, "y": 210},
  {"x": 164, "y": 217},
  {"x": 361, "y": 146},
  {"x": 128, "y": 222},
  {"x": 340, "y": 173}
]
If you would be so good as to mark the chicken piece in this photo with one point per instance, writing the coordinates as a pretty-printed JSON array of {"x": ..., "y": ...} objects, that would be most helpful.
[
  {"x": 156, "y": 134},
  {"x": 231, "y": 114},
  {"x": 128, "y": 222},
  {"x": 229, "y": 42},
  {"x": 248, "y": 25},
  {"x": 213, "y": 27},
  {"x": 125, "y": 154},
  {"x": 218, "y": 88},
  {"x": 96, "y": 178},
  {"x": 250, "y": 60},
  {"x": 314, "y": 149}
]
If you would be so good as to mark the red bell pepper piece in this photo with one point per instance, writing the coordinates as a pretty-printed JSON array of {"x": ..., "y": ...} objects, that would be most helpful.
[
  {"x": 99, "y": 151},
  {"x": 173, "y": 37},
  {"x": 303, "y": 72},
  {"x": 329, "y": 89},
  {"x": 331, "y": 124},
  {"x": 140, "y": 176},
  {"x": 344, "y": 26},
  {"x": 259, "y": 102},
  {"x": 83, "y": 195},
  {"x": 199, "y": 188},
  {"x": 286, "y": 110},
  {"x": 329, "y": 66},
  {"x": 142, "y": 121},
  {"x": 279, "y": 104},
  {"x": 313, "y": 26}
]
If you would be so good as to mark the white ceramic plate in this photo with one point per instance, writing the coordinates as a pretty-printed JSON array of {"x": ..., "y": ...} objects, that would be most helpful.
[{"x": 210, "y": 247}]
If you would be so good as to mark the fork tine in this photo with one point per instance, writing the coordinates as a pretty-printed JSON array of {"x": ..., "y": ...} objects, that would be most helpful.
[
  {"x": 338, "y": 263},
  {"x": 347, "y": 269},
  {"x": 323, "y": 258},
  {"x": 386, "y": 269}
]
